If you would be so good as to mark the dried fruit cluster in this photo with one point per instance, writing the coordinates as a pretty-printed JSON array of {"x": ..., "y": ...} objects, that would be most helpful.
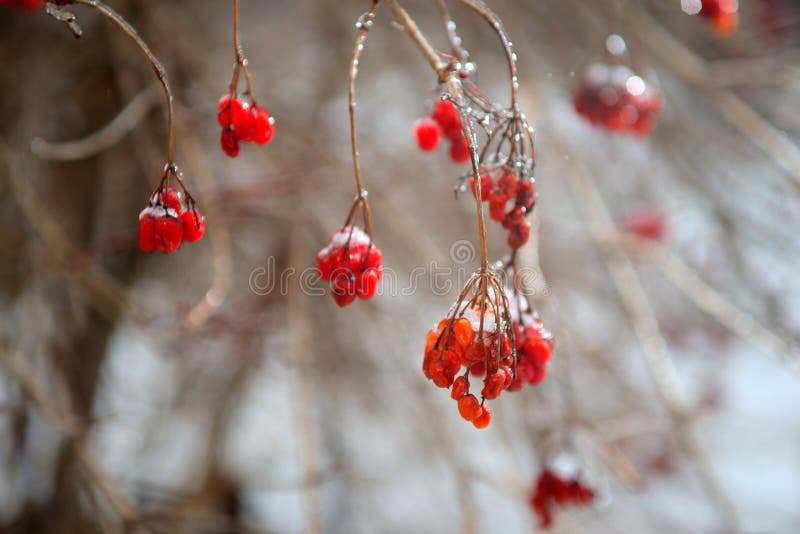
[
  {"x": 170, "y": 219},
  {"x": 553, "y": 490},
  {"x": 446, "y": 122},
  {"x": 352, "y": 265},
  {"x": 614, "y": 97}
]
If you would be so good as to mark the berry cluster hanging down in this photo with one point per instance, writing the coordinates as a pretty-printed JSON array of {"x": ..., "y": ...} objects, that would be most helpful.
[
  {"x": 615, "y": 98},
  {"x": 352, "y": 264},
  {"x": 446, "y": 122},
  {"x": 555, "y": 490},
  {"x": 170, "y": 219},
  {"x": 243, "y": 122},
  {"x": 510, "y": 197}
]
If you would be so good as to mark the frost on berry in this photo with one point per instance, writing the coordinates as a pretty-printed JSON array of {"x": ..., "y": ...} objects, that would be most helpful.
[
  {"x": 617, "y": 99},
  {"x": 560, "y": 485},
  {"x": 475, "y": 339},
  {"x": 170, "y": 219},
  {"x": 352, "y": 264}
]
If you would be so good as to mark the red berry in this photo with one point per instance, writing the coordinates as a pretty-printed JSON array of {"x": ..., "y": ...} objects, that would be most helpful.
[
  {"x": 487, "y": 186},
  {"x": 446, "y": 116},
  {"x": 229, "y": 142},
  {"x": 519, "y": 234},
  {"x": 525, "y": 194},
  {"x": 493, "y": 384},
  {"x": 264, "y": 125},
  {"x": 171, "y": 198},
  {"x": 169, "y": 234},
  {"x": 228, "y": 110},
  {"x": 460, "y": 386},
  {"x": 147, "y": 231},
  {"x": 647, "y": 223},
  {"x": 194, "y": 226},
  {"x": 459, "y": 151},
  {"x": 367, "y": 284},
  {"x": 483, "y": 419},
  {"x": 25, "y": 5},
  {"x": 428, "y": 134},
  {"x": 469, "y": 407},
  {"x": 497, "y": 206}
]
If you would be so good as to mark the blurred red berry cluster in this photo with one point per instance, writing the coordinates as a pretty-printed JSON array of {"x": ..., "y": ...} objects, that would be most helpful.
[
  {"x": 243, "y": 122},
  {"x": 615, "y": 98},
  {"x": 554, "y": 491},
  {"x": 352, "y": 264},
  {"x": 722, "y": 14},
  {"x": 168, "y": 221},
  {"x": 444, "y": 122}
]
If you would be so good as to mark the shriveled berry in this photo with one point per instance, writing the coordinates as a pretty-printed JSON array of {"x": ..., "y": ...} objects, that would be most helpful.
[
  {"x": 519, "y": 234},
  {"x": 493, "y": 384},
  {"x": 483, "y": 419},
  {"x": 229, "y": 142},
  {"x": 469, "y": 407},
  {"x": 459, "y": 389}
]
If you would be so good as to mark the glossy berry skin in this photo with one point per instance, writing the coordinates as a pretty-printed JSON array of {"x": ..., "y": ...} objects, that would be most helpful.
[
  {"x": 352, "y": 264},
  {"x": 723, "y": 15},
  {"x": 614, "y": 98},
  {"x": 242, "y": 123},
  {"x": 427, "y": 134},
  {"x": 194, "y": 226}
]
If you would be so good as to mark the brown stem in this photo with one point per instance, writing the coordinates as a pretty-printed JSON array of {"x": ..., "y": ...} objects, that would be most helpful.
[
  {"x": 365, "y": 23},
  {"x": 450, "y": 28},
  {"x": 494, "y": 21},
  {"x": 161, "y": 73}
]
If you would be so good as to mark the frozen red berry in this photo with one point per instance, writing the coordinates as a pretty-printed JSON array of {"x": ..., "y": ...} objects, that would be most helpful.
[
  {"x": 446, "y": 116},
  {"x": 229, "y": 142},
  {"x": 352, "y": 264},
  {"x": 459, "y": 151}
]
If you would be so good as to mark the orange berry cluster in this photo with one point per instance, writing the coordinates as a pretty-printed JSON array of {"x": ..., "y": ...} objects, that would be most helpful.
[
  {"x": 481, "y": 350},
  {"x": 510, "y": 199}
]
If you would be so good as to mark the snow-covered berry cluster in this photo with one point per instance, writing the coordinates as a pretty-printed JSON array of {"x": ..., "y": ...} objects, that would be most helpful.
[
  {"x": 168, "y": 221},
  {"x": 352, "y": 264},
  {"x": 615, "y": 98}
]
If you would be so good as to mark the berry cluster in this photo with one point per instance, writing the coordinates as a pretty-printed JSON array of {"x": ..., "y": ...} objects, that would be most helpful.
[
  {"x": 352, "y": 264},
  {"x": 445, "y": 121},
  {"x": 511, "y": 197},
  {"x": 554, "y": 490},
  {"x": 169, "y": 221},
  {"x": 722, "y": 14},
  {"x": 25, "y": 5},
  {"x": 534, "y": 348},
  {"x": 243, "y": 122},
  {"x": 476, "y": 336},
  {"x": 613, "y": 97}
]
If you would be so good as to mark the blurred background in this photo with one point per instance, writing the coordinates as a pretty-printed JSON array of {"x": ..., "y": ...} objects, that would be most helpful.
[{"x": 216, "y": 390}]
